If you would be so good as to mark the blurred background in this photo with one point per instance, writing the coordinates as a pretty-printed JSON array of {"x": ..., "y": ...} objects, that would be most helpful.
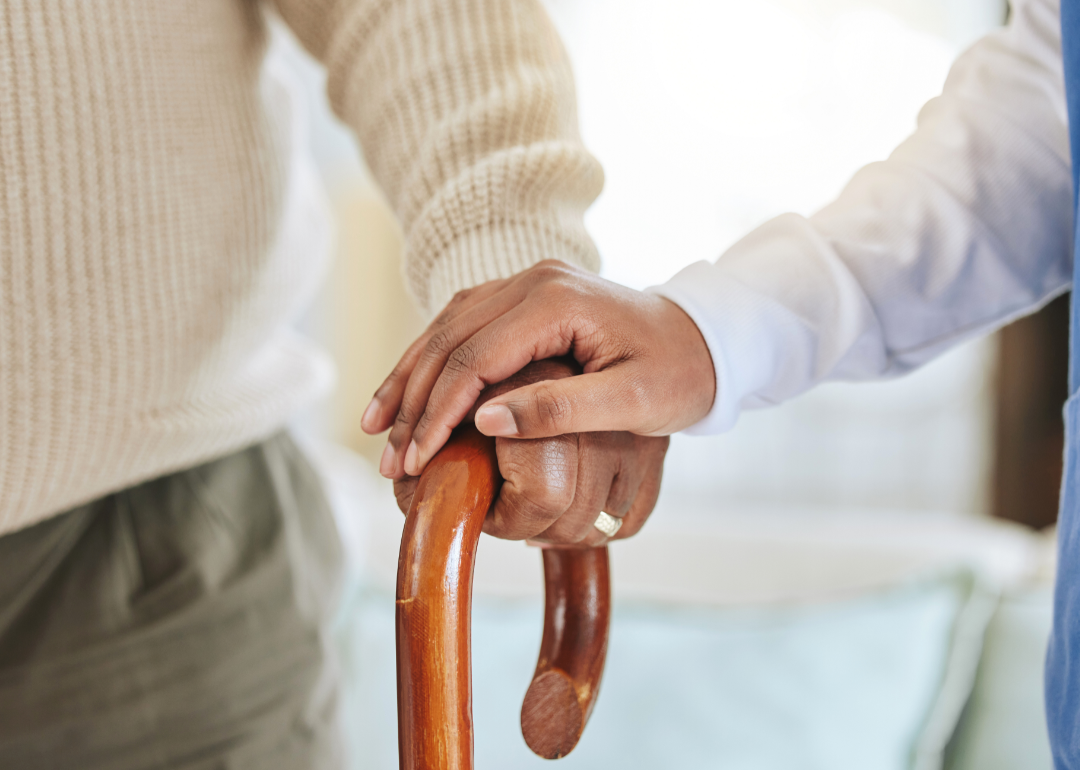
[{"x": 859, "y": 578}]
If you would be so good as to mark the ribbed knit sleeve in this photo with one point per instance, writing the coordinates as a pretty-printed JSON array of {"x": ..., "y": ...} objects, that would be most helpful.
[{"x": 465, "y": 110}]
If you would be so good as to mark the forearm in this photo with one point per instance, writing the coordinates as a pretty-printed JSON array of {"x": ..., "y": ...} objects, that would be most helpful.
[
  {"x": 466, "y": 113},
  {"x": 966, "y": 226}
]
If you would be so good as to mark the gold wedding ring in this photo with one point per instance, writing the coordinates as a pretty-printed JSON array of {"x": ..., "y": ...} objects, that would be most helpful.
[{"x": 607, "y": 524}]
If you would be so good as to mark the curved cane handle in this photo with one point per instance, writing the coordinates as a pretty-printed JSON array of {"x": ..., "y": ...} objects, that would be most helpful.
[
  {"x": 434, "y": 603},
  {"x": 577, "y": 608}
]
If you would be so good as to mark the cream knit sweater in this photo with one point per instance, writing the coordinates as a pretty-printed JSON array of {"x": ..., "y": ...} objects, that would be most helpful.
[{"x": 159, "y": 227}]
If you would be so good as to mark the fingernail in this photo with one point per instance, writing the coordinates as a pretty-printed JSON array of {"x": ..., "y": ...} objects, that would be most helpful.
[
  {"x": 412, "y": 460},
  {"x": 496, "y": 420},
  {"x": 388, "y": 461},
  {"x": 367, "y": 422}
]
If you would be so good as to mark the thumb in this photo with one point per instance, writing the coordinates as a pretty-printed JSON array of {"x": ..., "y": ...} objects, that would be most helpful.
[{"x": 603, "y": 401}]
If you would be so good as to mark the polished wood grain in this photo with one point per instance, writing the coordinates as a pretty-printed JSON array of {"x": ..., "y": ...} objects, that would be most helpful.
[
  {"x": 434, "y": 601},
  {"x": 577, "y": 598}
]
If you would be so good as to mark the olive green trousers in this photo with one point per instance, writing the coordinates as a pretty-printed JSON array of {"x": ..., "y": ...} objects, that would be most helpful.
[{"x": 177, "y": 624}]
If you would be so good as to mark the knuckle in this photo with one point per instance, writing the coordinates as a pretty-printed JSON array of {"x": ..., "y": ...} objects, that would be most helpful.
[
  {"x": 553, "y": 496},
  {"x": 553, "y": 410},
  {"x": 554, "y": 289},
  {"x": 548, "y": 268},
  {"x": 524, "y": 513},
  {"x": 423, "y": 425},
  {"x": 638, "y": 396},
  {"x": 406, "y": 416},
  {"x": 541, "y": 476},
  {"x": 545, "y": 494},
  {"x": 544, "y": 503},
  {"x": 517, "y": 517},
  {"x": 551, "y": 276},
  {"x": 441, "y": 344},
  {"x": 462, "y": 360}
]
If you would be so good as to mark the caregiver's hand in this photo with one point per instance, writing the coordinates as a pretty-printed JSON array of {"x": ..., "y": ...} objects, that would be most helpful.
[
  {"x": 554, "y": 488},
  {"x": 647, "y": 368}
]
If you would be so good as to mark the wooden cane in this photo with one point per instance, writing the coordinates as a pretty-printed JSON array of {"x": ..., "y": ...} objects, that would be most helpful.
[{"x": 434, "y": 602}]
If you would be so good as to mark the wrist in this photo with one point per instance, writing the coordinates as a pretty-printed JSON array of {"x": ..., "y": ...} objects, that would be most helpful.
[{"x": 687, "y": 364}]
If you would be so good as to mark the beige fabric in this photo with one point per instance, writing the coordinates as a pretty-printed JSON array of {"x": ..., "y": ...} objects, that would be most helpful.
[{"x": 159, "y": 227}]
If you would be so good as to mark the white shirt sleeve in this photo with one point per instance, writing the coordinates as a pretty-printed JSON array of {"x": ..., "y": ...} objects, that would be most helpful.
[{"x": 965, "y": 227}]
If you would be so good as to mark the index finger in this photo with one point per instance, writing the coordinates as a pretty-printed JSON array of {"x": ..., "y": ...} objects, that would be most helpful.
[
  {"x": 443, "y": 395},
  {"x": 379, "y": 414}
]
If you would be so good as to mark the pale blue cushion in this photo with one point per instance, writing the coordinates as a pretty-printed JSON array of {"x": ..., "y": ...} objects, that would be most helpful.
[
  {"x": 841, "y": 685},
  {"x": 1004, "y": 727}
]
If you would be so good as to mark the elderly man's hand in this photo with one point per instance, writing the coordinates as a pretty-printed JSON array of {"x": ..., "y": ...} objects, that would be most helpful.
[{"x": 554, "y": 488}]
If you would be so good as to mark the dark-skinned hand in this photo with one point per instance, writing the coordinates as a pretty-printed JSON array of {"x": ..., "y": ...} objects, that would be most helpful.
[
  {"x": 647, "y": 369},
  {"x": 555, "y": 487}
]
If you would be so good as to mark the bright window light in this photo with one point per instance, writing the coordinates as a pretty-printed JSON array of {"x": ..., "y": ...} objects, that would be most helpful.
[{"x": 712, "y": 116}]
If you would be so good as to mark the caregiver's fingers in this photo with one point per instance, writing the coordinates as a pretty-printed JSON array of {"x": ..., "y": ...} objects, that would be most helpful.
[
  {"x": 536, "y": 469},
  {"x": 648, "y": 369},
  {"x": 441, "y": 392},
  {"x": 542, "y": 315},
  {"x": 379, "y": 414},
  {"x": 442, "y": 352},
  {"x": 468, "y": 312}
]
